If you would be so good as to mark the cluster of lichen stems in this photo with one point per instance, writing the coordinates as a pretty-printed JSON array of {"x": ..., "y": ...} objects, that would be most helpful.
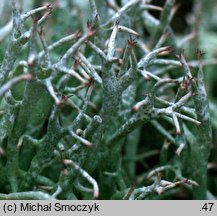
[{"x": 96, "y": 149}]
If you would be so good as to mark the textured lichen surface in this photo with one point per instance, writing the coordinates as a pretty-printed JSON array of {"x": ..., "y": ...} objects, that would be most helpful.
[{"x": 107, "y": 100}]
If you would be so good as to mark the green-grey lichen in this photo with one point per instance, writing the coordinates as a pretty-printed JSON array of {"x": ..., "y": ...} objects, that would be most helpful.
[{"x": 70, "y": 107}]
